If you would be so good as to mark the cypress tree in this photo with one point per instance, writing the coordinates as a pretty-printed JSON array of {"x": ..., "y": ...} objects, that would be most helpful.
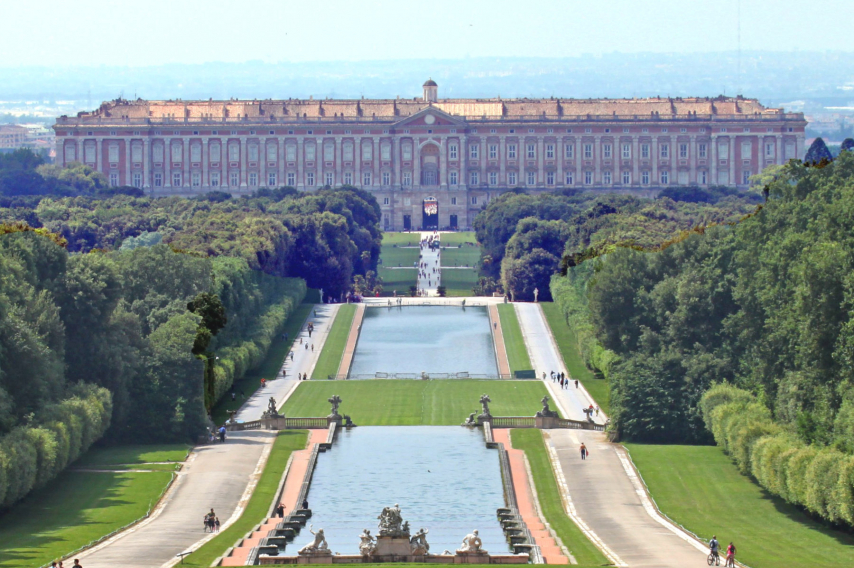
[
  {"x": 818, "y": 151},
  {"x": 848, "y": 144}
]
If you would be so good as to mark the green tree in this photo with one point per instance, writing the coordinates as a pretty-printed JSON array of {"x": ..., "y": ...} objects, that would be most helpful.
[{"x": 817, "y": 152}]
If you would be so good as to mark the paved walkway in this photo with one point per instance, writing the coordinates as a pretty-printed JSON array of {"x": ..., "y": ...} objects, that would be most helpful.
[
  {"x": 430, "y": 280},
  {"x": 614, "y": 507},
  {"x": 549, "y": 548},
  {"x": 352, "y": 340},
  {"x": 218, "y": 476},
  {"x": 498, "y": 341},
  {"x": 545, "y": 357}
]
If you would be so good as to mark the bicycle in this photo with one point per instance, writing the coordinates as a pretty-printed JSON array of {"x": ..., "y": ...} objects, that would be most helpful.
[{"x": 714, "y": 558}]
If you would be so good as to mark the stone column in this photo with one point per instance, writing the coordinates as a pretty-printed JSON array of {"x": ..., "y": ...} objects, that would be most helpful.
[
  {"x": 81, "y": 156},
  {"x": 733, "y": 140},
  {"x": 778, "y": 138},
  {"x": 281, "y": 161},
  {"x": 243, "y": 163},
  {"x": 186, "y": 145},
  {"x": 205, "y": 161},
  {"x": 541, "y": 176},
  {"x": 502, "y": 160},
  {"x": 464, "y": 160},
  {"x": 597, "y": 160},
  {"x": 799, "y": 145},
  {"x": 300, "y": 163},
  {"x": 416, "y": 163},
  {"x": 357, "y": 158},
  {"x": 339, "y": 172},
  {"x": 377, "y": 159},
  {"x": 223, "y": 163},
  {"x": 635, "y": 161},
  {"x": 692, "y": 159},
  {"x": 559, "y": 157},
  {"x": 713, "y": 154},
  {"x": 146, "y": 165},
  {"x": 99, "y": 158},
  {"x": 443, "y": 163},
  {"x": 398, "y": 158},
  {"x": 654, "y": 159},
  {"x": 262, "y": 162},
  {"x": 167, "y": 163},
  {"x": 483, "y": 160}
]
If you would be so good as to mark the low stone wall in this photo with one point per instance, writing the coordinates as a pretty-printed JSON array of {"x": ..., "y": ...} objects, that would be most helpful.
[{"x": 426, "y": 559}]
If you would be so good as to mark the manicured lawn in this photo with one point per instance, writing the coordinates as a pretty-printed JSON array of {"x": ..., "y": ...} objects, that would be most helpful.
[
  {"x": 414, "y": 402},
  {"x": 531, "y": 442},
  {"x": 333, "y": 349},
  {"x": 458, "y": 238},
  {"x": 136, "y": 454},
  {"x": 459, "y": 282},
  {"x": 701, "y": 489},
  {"x": 397, "y": 280},
  {"x": 517, "y": 353},
  {"x": 465, "y": 256},
  {"x": 268, "y": 369},
  {"x": 568, "y": 346},
  {"x": 74, "y": 510},
  {"x": 411, "y": 239},
  {"x": 256, "y": 510}
]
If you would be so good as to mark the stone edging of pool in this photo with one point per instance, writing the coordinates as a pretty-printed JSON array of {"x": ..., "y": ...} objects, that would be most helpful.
[
  {"x": 269, "y": 535},
  {"x": 352, "y": 340}
]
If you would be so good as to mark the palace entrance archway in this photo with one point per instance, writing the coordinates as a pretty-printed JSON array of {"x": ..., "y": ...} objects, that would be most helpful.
[{"x": 430, "y": 213}]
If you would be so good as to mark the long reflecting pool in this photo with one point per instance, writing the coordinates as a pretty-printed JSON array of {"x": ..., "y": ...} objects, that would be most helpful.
[
  {"x": 443, "y": 477},
  {"x": 431, "y": 339}
]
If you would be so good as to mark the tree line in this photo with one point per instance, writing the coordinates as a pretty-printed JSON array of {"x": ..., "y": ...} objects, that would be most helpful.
[{"x": 523, "y": 237}]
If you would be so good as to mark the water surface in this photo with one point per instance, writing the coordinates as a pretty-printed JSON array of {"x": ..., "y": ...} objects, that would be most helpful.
[
  {"x": 443, "y": 477},
  {"x": 431, "y": 339}
]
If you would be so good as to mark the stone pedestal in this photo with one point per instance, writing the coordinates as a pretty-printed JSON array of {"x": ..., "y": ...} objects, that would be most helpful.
[
  {"x": 392, "y": 546},
  {"x": 481, "y": 557},
  {"x": 315, "y": 558}
]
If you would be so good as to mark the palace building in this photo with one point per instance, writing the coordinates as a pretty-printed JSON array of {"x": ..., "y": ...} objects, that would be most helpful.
[{"x": 430, "y": 161}]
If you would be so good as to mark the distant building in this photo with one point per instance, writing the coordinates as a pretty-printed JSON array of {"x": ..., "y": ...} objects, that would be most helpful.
[
  {"x": 36, "y": 137},
  {"x": 12, "y": 137},
  {"x": 457, "y": 153}
]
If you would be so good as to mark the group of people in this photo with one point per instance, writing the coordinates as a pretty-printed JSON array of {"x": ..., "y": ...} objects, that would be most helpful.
[
  {"x": 59, "y": 565},
  {"x": 215, "y": 434},
  {"x": 714, "y": 550},
  {"x": 211, "y": 522}
]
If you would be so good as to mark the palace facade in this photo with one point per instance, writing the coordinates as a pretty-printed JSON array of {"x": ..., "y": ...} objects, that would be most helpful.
[{"x": 430, "y": 161}]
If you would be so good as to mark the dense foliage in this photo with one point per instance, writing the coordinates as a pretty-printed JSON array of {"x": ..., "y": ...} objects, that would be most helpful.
[
  {"x": 818, "y": 478},
  {"x": 325, "y": 237},
  {"x": 765, "y": 304},
  {"x": 94, "y": 340},
  {"x": 523, "y": 237}
]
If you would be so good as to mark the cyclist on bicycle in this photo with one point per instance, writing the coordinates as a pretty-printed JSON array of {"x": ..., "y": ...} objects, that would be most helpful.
[
  {"x": 713, "y": 546},
  {"x": 730, "y": 555}
]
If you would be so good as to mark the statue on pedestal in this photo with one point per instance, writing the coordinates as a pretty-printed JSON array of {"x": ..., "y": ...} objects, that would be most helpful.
[
  {"x": 272, "y": 411},
  {"x": 321, "y": 296},
  {"x": 318, "y": 545},
  {"x": 231, "y": 415},
  {"x": 546, "y": 411},
  {"x": 484, "y": 403},
  {"x": 536, "y": 293},
  {"x": 391, "y": 523},
  {"x": 418, "y": 543},
  {"x": 368, "y": 544},
  {"x": 335, "y": 401},
  {"x": 470, "y": 421},
  {"x": 471, "y": 544}
]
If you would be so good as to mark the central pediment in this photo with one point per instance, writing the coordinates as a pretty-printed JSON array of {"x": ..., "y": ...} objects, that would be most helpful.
[{"x": 431, "y": 116}]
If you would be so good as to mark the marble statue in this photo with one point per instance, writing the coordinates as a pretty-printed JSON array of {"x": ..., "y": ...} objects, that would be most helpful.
[
  {"x": 484, "y": 402},
  {"x": 418, "y": 543},
  {"x": 546, "y": 411},
  {"x": 391, "y": 523},
  {"x": 318, "y": 545},
  {"x": 321, "y": 296},
  {"x": 368, "y": 544},
  {"x": 471, "y": 543},
  {"x": 536, "y": 293},
  {"x": 470, "y": 421},
  {"x": 271, "y": 407},
  {"x": 335, "y": 401}
]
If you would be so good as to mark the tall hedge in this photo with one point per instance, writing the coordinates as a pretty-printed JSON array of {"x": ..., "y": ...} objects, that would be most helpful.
[
  {"x": 819, "y": 479},
  {"x": 31, "y": 456}
]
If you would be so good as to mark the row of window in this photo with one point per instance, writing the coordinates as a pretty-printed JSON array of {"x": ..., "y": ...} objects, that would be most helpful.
[
  {"x": 453, "y": 179},
  {"x": 385, "y": 152}
]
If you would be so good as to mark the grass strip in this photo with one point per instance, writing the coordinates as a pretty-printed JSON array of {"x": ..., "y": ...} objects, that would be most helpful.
[
  {"x": 551, "y": 505},
  {"x": 514, "y": 343},
  {"x": 458, "y": 238},
  {"x": 459, "y": 282},
  {"x": 74, "y": 510},
  {"x": 567, "y": 344},
  {"x": 701, "y": 489},
  {"x": 380, "y": 402},
  {"x": 268, "y": 369},
  {"x": 333, "y": 348},
  {"x": 133, "y": 454},
  {"x": 286, "y": 442}
]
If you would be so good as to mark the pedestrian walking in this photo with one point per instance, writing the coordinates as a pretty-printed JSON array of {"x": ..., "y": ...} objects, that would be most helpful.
[
  {"x": 77, "y": 564},
  {"x": 233, "y": 396},
  {"x": 584, "y": 452},
  {"x": 222, "y": 434},
  {"x": 280, "y": 511},
  {"x": 597, "y": 411},
  {"x": 312, "y": 347},
  {"x": 216, "y": 524},
  {"x": 263, "y": 383},
  {"x": 305, "y": 504},
  {"x": 576, "y": 383}
]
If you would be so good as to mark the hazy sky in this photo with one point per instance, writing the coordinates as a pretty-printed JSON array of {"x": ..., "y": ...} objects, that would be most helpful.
[{"x": 152, "y": 32}]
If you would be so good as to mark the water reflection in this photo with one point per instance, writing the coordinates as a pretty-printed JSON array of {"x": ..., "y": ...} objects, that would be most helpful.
[
  {"x": 432, "y": 339},
  {"x": 443, "y": 477}
]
